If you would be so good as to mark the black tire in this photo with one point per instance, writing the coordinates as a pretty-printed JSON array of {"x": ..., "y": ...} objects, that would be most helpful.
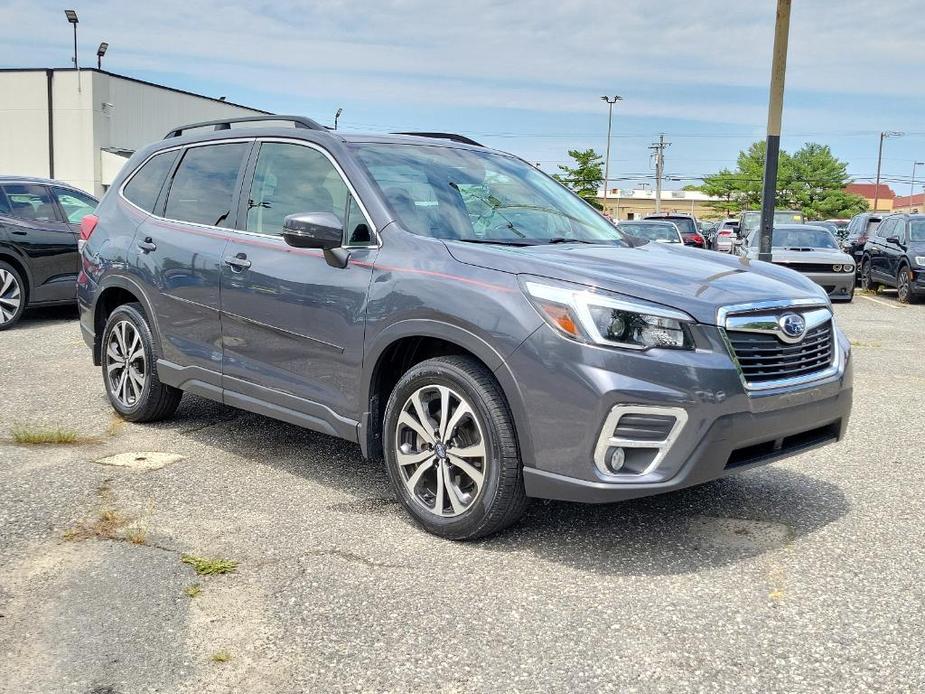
[
  {"x": 17, "y": 290},
  {"x": 904, "y": 292},
  {"x": 501, "y": 500},
  {"x": 867, "y": 283},
  {"x": 155, "y": 401}
]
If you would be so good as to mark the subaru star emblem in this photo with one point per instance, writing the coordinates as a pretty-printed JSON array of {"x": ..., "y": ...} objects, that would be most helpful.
[{"x": 793, "y": 325}]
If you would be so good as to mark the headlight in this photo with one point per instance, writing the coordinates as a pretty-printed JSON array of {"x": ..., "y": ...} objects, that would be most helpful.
[
  {"x": 587, "y": 316},
  {"x": 848, "y": 268},
  {"x": 920, "y": 260},
  {"x": 836, "y": 268}
]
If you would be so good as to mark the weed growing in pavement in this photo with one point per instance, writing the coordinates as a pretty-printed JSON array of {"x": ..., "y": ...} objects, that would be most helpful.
[
  {"x": 192, "y": 591},
  {"x": 221, "y": 656},
  {"x": 861, "y": 343},
  {"x": 136, "y": 535},
  {"x": 105, "y": 526},
  {"x": 44, "y": 435},
  {"x": 209, "y": 567}
]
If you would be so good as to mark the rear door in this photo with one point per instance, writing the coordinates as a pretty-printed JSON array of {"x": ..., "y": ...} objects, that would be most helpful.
[
  {"x": 293, "y": 324},
  {"x": 38, "y": 231},
  {"x": 179, "y": 251},
  {"x": 875, "y": 249},
  {"x": 894, "y": 252}
]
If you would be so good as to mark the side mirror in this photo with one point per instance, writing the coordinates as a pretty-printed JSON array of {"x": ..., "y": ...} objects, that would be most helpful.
[
  {"x": 317, "y": 230},
  {"x": 894, "y": 240}
]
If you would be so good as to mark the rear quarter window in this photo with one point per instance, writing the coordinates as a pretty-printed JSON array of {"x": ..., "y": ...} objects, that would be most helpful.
[{"x": 145, "y": 185}]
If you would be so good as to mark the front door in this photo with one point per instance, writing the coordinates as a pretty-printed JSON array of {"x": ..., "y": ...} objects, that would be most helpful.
[{"x": 293, "y": 324}]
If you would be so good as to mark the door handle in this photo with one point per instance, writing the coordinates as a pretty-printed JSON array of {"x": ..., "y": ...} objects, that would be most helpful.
[
  {"x": 20, "y": 233},
  {"x": 238, "y": 263},
  {"x": 147, "y": 245}
]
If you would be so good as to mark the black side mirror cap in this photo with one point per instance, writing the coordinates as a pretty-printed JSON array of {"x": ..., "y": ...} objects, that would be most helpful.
[
  {"x": 894, "y": 240},
  {"x": 317, "y": 230}
]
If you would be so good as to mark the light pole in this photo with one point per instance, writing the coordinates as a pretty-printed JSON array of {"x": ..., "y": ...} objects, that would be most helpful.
[
  {"x": 72, "y": 18},
  {"x": 775, "y": 109},
  {"x": 611, "y": 100},
  {"x": 883, "y": 135},
  {"x": 100, "y": 52},
  {"x": 912, "y": 185},
  {"x": 337, "y": 116}
]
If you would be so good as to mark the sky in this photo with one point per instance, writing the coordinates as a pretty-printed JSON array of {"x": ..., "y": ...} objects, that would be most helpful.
[{"x": 527, "y": 76}]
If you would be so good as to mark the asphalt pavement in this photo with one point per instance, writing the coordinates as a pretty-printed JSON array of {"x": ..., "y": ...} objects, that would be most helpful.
[{"x": 805, "y": 575}]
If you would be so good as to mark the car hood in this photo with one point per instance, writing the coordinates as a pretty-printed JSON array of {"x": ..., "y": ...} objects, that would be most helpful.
[
  {"x": 692, "y": 280},
  {"x": 831, "y": 255}
]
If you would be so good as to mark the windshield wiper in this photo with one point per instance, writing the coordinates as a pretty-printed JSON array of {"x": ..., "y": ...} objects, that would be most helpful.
[
  {"x": 562, "y": 239},
  {"x": 499, "y": 242}
]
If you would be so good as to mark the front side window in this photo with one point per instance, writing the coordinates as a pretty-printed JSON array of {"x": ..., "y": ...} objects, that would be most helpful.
[
  {"x": 885, "y": 228},
  {"x": 479, "y": 196},
  {"x": 203, "y": 186},
  {"x": 31, "y": 202},
  {"x": 145, "y": 186},
  {"x": 76, "y": 205},
  {"x": 292, "y": 179}
]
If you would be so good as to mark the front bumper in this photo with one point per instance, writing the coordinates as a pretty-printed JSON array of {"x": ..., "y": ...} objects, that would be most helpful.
[
  {"x": 570, "y": 389},
  {"x": 838, "y": 285}
]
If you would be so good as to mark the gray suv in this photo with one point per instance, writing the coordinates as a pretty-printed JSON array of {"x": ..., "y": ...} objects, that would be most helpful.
[{"x": 452, "y": 310}]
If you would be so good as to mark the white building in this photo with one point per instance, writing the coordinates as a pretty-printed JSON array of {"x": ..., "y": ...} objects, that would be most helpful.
[{"x": 81, "y": 127}]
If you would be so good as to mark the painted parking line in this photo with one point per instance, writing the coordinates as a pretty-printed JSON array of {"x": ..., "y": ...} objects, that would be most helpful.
[{"x": 878, "y": 301}]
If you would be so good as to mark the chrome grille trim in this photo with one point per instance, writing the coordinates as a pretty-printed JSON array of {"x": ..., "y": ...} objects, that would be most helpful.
[{"x": 769, "y": 353}]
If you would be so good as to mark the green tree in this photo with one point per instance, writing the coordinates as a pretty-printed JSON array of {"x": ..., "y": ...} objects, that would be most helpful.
[
  {"x": 812, "y": 180},
  {"x": 586, "y": 177}
]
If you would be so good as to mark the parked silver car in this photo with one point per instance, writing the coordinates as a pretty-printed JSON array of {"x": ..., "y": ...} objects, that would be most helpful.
[{"x": 812, "y": 251}]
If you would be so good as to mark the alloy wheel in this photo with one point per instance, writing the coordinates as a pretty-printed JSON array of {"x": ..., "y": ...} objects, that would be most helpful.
[
  {"x": 902, "y": 288},
  {"x": 865, "y": 276},
  {"x": 10, "y": 296},
  {"x": 440, "y": 450},
  {"x": 126, "y": 364}
]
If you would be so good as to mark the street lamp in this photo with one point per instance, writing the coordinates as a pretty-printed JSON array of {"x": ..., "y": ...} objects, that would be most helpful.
[
  {"x": 72, "y": 18},
  {"x": 337, "y": 116},
  {"x": 912, "y": 185},
  {"x": 883, "y": 135},
  {"x": 611, "y": 100},
  {"x": 100, "y": 52}
]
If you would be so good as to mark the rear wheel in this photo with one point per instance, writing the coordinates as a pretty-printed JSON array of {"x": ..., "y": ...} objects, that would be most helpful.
[
  {"x": 451, "y": 451},
  {"x": 130, "y": 368},
  {"x": 904, "y": 286},
  {"x": 12, "y": 296},
  {"x": 867, "y": 283}
]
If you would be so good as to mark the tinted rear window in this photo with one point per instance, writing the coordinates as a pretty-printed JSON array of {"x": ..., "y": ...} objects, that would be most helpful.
[
  {"x": 145, "y": 185},
  {"x": 203, "y": 186}
]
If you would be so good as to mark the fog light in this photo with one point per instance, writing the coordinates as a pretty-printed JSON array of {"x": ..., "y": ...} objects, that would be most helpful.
[{"x": 617, "y": 458}]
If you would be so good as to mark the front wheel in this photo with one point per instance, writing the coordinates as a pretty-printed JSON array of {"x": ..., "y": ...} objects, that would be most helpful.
[
  {"x": 130, "y": 368},
  {"x": 904, "y": 286},
  {"x": 12, "y": 296},
  {"x": 451, "y": 450},
  {"x": 867, "y": 283}
]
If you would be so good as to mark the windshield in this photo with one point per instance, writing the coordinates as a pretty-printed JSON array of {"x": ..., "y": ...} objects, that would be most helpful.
[
  {"x": 468, "y": 195},
  {"x": 917, "y": 230},
  {"x": 666, "y": 233},
  {"x": 795, "y": 237}
]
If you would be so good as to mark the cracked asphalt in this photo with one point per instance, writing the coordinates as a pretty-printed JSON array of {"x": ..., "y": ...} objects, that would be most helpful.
[{"x": 806, "y": 575}]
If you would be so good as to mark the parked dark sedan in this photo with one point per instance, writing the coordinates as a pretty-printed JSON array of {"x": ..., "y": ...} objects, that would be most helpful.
[
  {"x": 39, "y": 224},
  {"x": 860, "y": 228},
  {"x": 895, "y": 256}
]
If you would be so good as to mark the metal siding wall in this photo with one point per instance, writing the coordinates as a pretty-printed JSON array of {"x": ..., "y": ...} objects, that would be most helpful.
[{"x": 23, "y": 123}]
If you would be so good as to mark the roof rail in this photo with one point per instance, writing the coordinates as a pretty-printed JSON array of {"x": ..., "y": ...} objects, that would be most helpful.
[
  {"x": 225, "y": 123},
  {"x": 447, "y": 136}
]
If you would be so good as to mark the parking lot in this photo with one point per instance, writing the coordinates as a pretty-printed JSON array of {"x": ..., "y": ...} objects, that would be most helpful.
[{"x": 805, "y": 575}]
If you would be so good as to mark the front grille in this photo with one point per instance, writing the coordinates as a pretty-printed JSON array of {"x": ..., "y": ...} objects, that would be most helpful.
[
  {"x": 808, "y": 267},
  {"x": 763, "y": 357},
  {"x": 644, "y": 427}
]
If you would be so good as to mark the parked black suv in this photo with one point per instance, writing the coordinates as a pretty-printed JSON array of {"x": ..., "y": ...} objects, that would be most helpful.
[
  {"x": 687, "y": 224},
  {"x": 39, "y": 223},
  {"x": 452, "y": 309},
  {"x": 895, "y": 256}
]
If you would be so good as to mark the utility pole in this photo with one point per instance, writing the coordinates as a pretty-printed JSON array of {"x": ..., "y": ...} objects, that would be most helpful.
[
  {"x": 775, "y": 109},
  {"x": 611, "y": 100},
  {"x": 912, "y": 185},
  {"x": 883, "y": 136},
  {"x": 658, "y": 152}
]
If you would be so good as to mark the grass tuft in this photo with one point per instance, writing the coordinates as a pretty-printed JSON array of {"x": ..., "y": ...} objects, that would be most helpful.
[
  {"x": 221, "y": 656},
  {"x": 44, "y": 435},
  {"x": 136, "y": 535},
  {"x": 105, "y": 526},
  {"x": 192, "y": 591},
  {"x": 209, "y": 567}
]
